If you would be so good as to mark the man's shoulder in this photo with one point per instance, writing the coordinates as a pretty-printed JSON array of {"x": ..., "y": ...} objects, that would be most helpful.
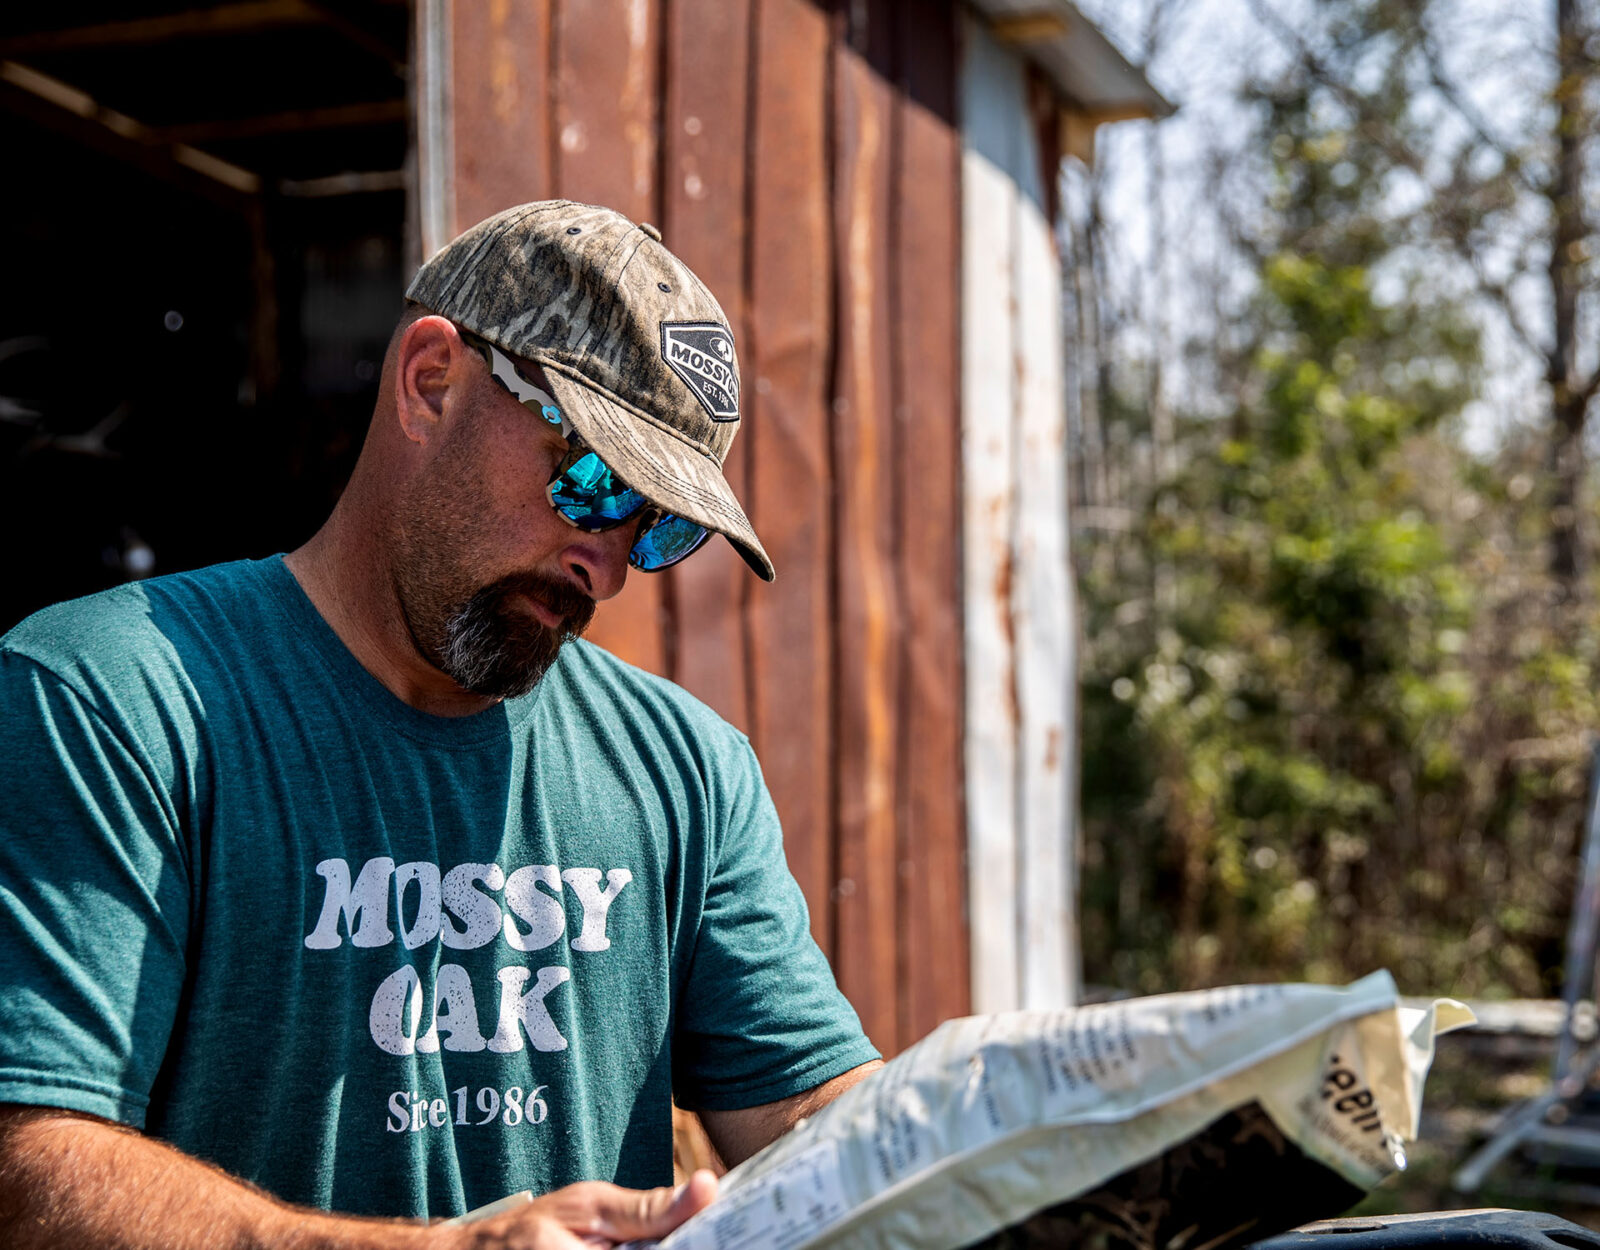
[{"x": 131, "y": 626}]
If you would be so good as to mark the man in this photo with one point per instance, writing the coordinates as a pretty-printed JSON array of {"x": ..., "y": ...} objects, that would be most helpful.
[{"x": 351, "y": 875}]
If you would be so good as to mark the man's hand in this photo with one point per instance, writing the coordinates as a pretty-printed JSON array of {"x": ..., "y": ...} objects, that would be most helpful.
[
  {"x": 70, "y": 1180},
  {"x": 585, "y": 1215}
]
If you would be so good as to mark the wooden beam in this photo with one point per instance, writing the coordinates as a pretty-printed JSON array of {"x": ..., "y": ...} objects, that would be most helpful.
[
  {"x": 1077, "y": 126},
  {"x": 1021, "y": 28},
  {"x": 356, "y": 33},
  {"x": 366, "y": 113},
  {"x": 357, "y": 182},
  {"x": 245, "y": 17},
  {"x": 74, "y": 114}
]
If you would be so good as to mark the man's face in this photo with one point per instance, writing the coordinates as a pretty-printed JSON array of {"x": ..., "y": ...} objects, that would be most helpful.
[{"x": 490, "y": 580}]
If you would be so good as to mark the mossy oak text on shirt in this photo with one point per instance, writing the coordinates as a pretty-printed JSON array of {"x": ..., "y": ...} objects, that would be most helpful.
[{"x": 458, "y": 908}]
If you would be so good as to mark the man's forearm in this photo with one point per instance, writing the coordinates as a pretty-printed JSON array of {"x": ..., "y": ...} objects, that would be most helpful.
[
  {"x": 739, "y": 1134},
  {"x": 70, "y": 1180}
]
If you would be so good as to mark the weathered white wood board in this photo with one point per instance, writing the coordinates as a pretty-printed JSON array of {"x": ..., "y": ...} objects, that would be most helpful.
[
  {"x": 991, "y": 94},
  {"x": 1041, "y": 598},
  {"x": 1017, "y": 589},
  {"x": 435, "y": 156}
]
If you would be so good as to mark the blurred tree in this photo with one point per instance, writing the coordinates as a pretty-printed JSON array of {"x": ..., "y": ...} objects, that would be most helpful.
[
  {"x": 1503, "y": 205},
  {"x": 1331, "y": 720}
]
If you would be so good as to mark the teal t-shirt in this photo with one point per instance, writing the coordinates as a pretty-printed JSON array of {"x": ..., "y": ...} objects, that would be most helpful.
[{"x": 374, "y": 960}]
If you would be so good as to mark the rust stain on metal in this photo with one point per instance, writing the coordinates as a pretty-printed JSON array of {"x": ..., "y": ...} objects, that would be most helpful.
[
  {"x": 863, "y": 250},
  {"x": 638, "y": 98},
  {"x": 500, "y": 105},
  {"x": 503, "y": 84},
  {"x": 866, "y": 927},
  {"x": 1004, "y": 580}
]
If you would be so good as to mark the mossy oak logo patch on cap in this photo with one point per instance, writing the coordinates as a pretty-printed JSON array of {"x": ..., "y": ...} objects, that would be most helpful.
[{"x": 701, "y": 353}]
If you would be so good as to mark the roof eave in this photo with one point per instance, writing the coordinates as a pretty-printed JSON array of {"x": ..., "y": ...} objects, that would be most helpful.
[{"x": 1086, "y": 70}]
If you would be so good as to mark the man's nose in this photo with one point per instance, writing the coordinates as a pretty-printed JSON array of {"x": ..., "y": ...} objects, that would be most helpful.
[{"x": 598, "y": 561}]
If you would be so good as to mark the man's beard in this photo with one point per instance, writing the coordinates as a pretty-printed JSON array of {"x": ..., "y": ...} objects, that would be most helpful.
[
  {"x": 495, "y": 649},
  {"x": 478, "y": 636}
]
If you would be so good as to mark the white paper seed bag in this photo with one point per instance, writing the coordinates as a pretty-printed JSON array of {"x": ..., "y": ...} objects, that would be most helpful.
[{"x": 1119, "y": 1120}]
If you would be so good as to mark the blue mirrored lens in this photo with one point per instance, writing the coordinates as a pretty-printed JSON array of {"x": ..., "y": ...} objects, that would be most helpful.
[
  {"x": 666, "y": 542},
  {"x": 591, "y": 496}
]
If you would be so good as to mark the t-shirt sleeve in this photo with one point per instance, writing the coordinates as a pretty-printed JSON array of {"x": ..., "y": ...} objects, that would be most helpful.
[
  {"x": 761, "y": 1017},
  {"x": 94, "y": 901}
]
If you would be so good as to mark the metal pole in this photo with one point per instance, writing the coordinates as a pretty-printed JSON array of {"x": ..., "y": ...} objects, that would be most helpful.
[{"x": 1579, "y": 976}]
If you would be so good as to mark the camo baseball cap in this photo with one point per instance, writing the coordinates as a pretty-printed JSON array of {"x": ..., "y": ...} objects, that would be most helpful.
[{"x": 636, "y": 350}]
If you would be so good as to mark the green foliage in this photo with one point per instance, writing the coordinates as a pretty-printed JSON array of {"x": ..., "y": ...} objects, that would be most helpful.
[{"x": 1352, "y": 735}]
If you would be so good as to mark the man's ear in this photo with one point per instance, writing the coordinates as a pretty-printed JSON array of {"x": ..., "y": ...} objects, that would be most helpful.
[{"x": 430, "y": 360}]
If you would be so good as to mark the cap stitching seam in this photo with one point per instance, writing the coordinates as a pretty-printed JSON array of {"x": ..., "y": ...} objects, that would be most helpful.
[
  {"x": 712, "y": 501},
  {"x": 597, "y": 325},
  {"x": 588, "y": 384},
  {"x": 634, "y": 251}
]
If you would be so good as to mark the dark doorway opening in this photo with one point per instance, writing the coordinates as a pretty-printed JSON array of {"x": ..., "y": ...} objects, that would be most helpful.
[{"x": 203, "y": 262}]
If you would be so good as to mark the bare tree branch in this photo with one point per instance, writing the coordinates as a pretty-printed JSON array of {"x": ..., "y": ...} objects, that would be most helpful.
[
  {"x": 1382, "y": 134},
  {"x": 1465, "y": 109},
  {"x": 1500, "y": 294}
]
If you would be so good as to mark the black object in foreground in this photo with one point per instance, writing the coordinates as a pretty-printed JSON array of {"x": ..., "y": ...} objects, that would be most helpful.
[
  {"x": 1488, "y": 1229},
  {"x": 1237, "y": 1180}
]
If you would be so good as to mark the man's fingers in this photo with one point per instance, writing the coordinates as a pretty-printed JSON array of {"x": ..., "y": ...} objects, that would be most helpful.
[
  {"x": 627, "y": 1214},
  {"x": 597, "y": 1213},
  {"x": 695, "y": 1194}
]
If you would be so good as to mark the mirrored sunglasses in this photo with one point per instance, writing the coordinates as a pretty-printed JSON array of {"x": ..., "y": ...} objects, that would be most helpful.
[{"x": 584, "y": 492}]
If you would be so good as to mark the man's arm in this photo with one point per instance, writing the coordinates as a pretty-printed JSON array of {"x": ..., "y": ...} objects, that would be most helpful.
[
  {"x": 739, "y": 1134},
  {"x": 74, "y": 1180}
]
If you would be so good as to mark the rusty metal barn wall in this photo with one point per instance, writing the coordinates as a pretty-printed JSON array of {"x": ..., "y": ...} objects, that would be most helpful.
[{"x": 804, "y": 160}]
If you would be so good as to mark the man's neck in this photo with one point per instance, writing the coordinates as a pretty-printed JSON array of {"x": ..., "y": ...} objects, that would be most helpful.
[{"x": 357, "y": 599}]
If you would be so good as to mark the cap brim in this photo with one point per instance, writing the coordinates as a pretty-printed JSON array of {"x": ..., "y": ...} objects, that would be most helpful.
[{"x": 658, "y": 463}]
